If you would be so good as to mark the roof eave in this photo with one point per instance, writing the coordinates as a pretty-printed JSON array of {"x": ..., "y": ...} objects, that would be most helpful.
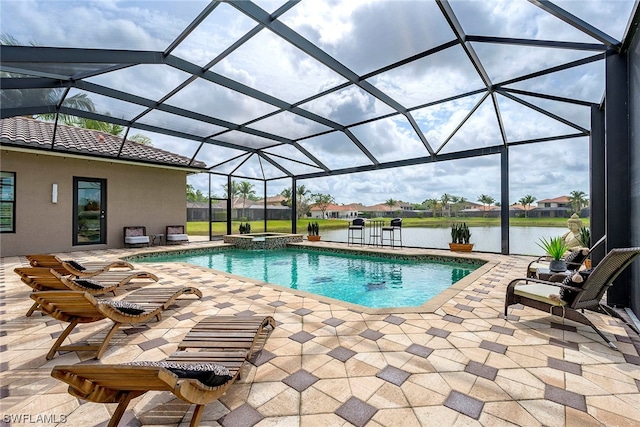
[{"x": 96, "y": 157}]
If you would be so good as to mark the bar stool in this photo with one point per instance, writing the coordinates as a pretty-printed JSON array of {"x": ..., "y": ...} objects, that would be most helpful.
[
  {"x": 375, "y": 232},
  {"x": 394, "y": 231},
  {"x": 356, "y": 232}
]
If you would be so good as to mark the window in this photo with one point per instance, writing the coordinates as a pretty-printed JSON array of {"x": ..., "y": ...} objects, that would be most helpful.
[{"x": 7, "y": 202}]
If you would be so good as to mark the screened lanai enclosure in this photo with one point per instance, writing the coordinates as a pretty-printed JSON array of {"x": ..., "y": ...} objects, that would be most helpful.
[{"x": 402, "y": 99}]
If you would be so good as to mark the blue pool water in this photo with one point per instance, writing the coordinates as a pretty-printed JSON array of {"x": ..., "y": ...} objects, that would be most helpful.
[{"x": 375, "y": 282}]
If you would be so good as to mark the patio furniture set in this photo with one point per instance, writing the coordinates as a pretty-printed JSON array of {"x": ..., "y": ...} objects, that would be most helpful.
[
  {"x": 137, "y": 236},
  {"x": 212, "y": 355},
  {"x": 379, "y": 233},
  {"x": 207, "y": 362}
]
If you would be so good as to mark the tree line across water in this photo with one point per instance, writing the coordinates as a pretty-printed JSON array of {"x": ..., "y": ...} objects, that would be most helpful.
[{"x": 447, "y": 205}]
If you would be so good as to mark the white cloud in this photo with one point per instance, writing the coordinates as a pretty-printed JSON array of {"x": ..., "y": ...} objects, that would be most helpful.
[{"x": 364, "y": 36}]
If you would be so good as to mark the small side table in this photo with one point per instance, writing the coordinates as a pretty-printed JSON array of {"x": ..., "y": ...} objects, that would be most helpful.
[
  {"x": 551, "y": 276},
  {"x": 156, "y": 239}
]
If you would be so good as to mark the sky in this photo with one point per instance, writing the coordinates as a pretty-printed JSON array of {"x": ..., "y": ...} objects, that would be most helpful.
[{"x": 363, "y": 37}]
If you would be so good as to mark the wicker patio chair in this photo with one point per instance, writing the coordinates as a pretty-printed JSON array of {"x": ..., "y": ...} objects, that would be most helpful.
[{"x": 545, "y": 296}]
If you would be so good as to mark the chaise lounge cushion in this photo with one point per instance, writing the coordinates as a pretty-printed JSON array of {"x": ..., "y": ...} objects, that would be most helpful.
[
  {"x": 76, "y": 265},
  {"x": 123, "y": 306},
  {"x": 88, "y": 283},
  {"x": 209, "y": 374}
]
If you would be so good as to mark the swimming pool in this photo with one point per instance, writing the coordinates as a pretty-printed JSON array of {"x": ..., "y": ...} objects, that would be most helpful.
[{"x": 370, "y": 281}]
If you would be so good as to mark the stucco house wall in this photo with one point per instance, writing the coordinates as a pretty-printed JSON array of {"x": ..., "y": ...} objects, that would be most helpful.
[{"x": 153, "y": 196}]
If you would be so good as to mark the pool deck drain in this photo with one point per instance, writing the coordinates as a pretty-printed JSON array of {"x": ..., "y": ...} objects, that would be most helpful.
[{"x": 328, "y": 364}]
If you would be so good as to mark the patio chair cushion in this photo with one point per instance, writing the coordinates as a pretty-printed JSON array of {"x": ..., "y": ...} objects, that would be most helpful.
[
  {"x": 88, "y": 283},
  {"x": 209, "y": 374},
  {"x": 177, "y": 237},
  {"x": 123, "y": 306},
  {"x": 175, "y": 229},
  {"x": 134, "y": 231},
  {"x": 540, "y": 292},
  {"x": 136, "y": 239},
  {"x": 76, "y": 265}
]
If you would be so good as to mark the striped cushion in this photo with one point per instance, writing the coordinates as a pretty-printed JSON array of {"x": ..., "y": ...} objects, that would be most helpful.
[
  {"x": 209, "y": 374},
  {"x": 88, "y": 284},
  {"x": 123, "y": 307}
]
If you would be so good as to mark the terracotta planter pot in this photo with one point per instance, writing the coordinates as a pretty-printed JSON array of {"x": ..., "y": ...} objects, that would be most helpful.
[
  {"x": 313, "y": 238},
  {"x": 461, "y": 247}
]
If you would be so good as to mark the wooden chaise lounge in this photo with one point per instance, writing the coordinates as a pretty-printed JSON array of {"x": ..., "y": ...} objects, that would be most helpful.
[
  {"x": 80, "y": 307},
  {"x": 47, "y": 279},
  {"x": 111, "y": 272},
  {"x": 86, "y": 268},
  {"x": 199, "y": 376}
]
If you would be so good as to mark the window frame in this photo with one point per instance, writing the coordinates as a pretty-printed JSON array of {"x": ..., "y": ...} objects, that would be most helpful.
[
  {"x": 102, "y": 215},
  {"x": 13, "y": 176}
]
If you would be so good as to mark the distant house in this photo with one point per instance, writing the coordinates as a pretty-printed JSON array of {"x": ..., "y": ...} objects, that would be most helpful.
[
  {"x": 558, "y": 202},
  {"x": 558, "y": 207},
  {"x": 276, "y": 200},
  {"x": 336, "y": 211},
  {"x": 75, "y": 189}
]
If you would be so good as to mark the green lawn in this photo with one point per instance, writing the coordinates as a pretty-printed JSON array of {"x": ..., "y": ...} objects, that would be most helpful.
[{"x": 282, "y": 226}]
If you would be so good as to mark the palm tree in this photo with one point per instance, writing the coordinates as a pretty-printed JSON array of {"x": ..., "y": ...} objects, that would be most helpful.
[
  {"x": 577, "y": 199},
  {"x": 245, "y": 189},
  {"x": 303, "y": 202},
  {"x": 110, "y": 128},
  {"x": 52, "y": 96},
  {"x": 286, "y": 193},
  {"x": 233, "y": 193},
  {"x": 487, "y": 201},
  {"x": 391, "y": 203},
  {"x": 322, "y": 201},
  {"x": 458, "y": 203},
  {"x": 431, "y": 204},
  {"x": 141, "y": 139},
  {"x": 445, "y": 199},
  {"x": 526, "y": 203}
]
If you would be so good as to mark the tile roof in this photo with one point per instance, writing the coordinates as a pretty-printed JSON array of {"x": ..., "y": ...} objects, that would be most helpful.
[
  {"x": 36, "y": 134},
  {"x": 560, "y": 199}
]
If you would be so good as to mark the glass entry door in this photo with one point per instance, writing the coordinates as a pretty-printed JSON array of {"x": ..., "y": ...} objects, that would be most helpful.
[{"x": 89, "y": 211}]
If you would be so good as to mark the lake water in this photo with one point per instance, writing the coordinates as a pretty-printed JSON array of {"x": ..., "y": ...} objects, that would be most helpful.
[{"x": 522, "y": 240}]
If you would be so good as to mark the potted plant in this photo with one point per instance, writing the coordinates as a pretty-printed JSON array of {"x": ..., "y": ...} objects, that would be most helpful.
[
  {"x": 460, "y": 236},
  {"x": 313, "y": 230},
  {"x": 584, "y": 236},
  {"x": 245, "y": 228},
  {"x": 555, "y": 248}
]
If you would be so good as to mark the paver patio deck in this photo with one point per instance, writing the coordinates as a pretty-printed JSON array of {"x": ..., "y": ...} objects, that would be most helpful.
[{"x": 328, "y": 364}]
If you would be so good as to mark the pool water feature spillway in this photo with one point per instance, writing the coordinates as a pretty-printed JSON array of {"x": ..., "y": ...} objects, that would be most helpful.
[{"x": 262, "y": 240}]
